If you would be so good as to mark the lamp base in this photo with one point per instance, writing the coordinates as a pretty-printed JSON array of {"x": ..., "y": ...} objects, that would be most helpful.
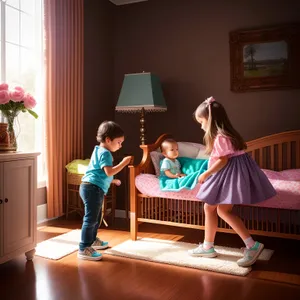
[{"x": 142, "y": 128}]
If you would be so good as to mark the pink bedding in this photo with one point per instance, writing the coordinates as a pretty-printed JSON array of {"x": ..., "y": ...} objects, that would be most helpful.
[{"x": 286, "y": 183}]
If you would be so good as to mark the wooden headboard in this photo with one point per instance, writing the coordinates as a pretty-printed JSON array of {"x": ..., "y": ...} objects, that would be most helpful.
[
  {"x": 146, "y": 165},
  {"x": 277, "y": 152}
]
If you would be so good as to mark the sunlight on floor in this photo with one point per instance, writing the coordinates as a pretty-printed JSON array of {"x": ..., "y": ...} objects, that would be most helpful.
[
  {"x": 52, "y": 229},
  {"x": 155, "y": 235}
]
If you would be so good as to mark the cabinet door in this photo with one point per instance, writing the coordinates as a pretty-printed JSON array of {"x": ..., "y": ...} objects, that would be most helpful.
[
  {"x": 19, "y": 204},
  {"x": 1, "y": 209}
]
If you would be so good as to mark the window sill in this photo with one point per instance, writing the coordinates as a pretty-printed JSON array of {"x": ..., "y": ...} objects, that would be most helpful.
[{"x": 41, "y": 183}]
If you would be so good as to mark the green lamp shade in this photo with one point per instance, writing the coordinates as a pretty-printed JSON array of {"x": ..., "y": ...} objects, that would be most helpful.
[{"x": 141, "y": 90}]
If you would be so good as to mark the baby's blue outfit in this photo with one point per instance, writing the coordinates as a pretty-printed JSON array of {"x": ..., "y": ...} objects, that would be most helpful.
[
  {"x": 95, "y": 174},
  {"x": 173, "y": 166}
]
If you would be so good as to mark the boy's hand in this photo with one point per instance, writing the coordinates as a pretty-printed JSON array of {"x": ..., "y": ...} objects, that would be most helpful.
[
  {"x": 126, "y": 160},
  {"x": 117, "y": 182}
]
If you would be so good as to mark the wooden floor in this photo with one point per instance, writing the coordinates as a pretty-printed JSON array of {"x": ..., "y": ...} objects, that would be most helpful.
[{"x": 116, "y": 278}]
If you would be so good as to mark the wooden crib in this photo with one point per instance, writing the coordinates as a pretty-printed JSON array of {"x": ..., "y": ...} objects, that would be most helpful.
[{"x": 275, "y": 152}]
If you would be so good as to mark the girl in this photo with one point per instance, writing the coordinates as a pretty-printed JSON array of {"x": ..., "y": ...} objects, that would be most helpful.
[
  {"x": 232, "y": 178},
  {"x": 95, "y": 184}
]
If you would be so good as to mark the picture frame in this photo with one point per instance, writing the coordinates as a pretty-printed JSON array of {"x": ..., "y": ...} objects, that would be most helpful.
[{"x": 265, "y": 59}]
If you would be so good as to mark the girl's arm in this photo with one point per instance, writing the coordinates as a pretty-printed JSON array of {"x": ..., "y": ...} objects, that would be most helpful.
[{"x": 217, "y": 166}]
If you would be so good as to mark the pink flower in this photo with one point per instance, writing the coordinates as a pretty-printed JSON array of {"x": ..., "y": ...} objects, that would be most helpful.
[
  {"x": 18, "y": 88},
  {"x": 3, "y": 87},
  {"x": 17, "y": 94},
  {"x": 4, "y": 96},
  {"x": 29, "y": 101}
]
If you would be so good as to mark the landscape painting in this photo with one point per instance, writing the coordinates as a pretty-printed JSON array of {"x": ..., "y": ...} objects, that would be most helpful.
[{"x": 265, "y": 59}]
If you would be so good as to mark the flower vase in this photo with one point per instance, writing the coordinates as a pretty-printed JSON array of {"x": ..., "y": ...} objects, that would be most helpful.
[
  {"x": 12, "y": 102},
  {"x": 12, "y": 135},
  {"x": 10, "y": 118},
  {"x": 4, "y": 137}
]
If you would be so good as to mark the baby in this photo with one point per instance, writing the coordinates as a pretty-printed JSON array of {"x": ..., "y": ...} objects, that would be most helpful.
[{"x": 170, "y": 166}]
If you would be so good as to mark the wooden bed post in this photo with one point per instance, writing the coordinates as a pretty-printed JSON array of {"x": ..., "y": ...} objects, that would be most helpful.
[
  {"x": 133, "y": 203},
  {"x": 134, "y": 171}
]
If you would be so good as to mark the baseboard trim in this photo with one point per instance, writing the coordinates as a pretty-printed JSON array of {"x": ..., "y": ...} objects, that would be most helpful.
[
  {"x": 120, "y": 213},
  {"x": 42, "y": 214}
]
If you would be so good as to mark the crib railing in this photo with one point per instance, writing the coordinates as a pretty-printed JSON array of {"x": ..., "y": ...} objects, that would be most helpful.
[{"x": 266, "y": 221}]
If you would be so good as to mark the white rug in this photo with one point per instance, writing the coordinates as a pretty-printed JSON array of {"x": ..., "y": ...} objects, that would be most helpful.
[
  {"x": 175, "y": 253},
  {"x": 59, "y": 246}
]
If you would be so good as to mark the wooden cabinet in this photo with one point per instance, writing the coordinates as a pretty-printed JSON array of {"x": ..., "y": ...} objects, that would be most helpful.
[{"x": 18, "y": 209}]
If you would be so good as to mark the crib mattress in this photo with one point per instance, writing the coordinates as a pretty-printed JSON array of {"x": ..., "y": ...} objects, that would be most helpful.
[{"x": 286, "y": 183}]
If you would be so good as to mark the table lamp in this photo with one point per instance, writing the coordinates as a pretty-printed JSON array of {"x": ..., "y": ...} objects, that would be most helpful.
[{"x": 141, "y": 92}]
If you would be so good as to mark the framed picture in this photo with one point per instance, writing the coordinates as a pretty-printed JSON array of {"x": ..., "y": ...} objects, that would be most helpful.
[{"x": 265, "y": 59}]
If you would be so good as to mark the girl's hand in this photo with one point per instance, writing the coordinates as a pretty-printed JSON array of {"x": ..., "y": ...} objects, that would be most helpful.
[
  {"x": 203, "y": 177},
  {"x": 117, "y": 182}
]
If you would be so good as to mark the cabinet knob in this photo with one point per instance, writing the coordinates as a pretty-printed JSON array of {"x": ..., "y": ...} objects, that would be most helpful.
[
  {"x": 1, "y": 201},
  {"x": 5, "y": 200}
]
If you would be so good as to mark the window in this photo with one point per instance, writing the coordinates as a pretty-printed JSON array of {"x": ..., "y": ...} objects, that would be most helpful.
[{"x": 21, "y": 51}]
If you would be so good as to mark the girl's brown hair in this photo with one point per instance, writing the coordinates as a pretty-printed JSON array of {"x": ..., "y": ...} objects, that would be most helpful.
[{"x": 218, "y": 123}]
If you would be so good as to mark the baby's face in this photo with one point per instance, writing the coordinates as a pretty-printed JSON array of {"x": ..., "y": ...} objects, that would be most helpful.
[{"x": 171, "y": 151}]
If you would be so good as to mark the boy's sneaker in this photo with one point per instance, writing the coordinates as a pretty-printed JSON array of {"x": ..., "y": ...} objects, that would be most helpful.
[
  {"x": 99, "y": 245},
  {"x": 251, "y": 255},
  {"x": 200, "y": 251},
  {"x": 89, "y": 253}
]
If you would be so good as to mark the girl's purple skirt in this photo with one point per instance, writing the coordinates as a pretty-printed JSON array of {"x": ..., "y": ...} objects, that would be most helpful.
[{"x": 241, "y": 181}]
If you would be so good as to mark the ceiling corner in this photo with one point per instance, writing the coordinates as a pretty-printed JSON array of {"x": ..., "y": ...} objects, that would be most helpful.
[{"x": 123, "y": 2}]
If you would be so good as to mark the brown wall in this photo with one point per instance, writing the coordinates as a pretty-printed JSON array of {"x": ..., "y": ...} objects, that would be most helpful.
[
  {"x": 98, "y": 68},
  {"x": 185, "y": 42}
]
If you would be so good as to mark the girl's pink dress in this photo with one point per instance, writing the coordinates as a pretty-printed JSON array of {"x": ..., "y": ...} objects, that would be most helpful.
[{"x": 241, "y": 181}]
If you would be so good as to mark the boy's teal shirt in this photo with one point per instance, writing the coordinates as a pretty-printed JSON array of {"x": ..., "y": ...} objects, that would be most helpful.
[{"x": 95, "y": 173}]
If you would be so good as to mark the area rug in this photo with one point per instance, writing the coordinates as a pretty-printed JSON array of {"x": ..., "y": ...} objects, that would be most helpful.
[
  {"x": 59, "y": 246},
  {"x": 175, "y": 253}
]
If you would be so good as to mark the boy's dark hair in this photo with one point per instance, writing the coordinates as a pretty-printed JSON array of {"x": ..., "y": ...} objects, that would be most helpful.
[{"x": 109, "y": 129}]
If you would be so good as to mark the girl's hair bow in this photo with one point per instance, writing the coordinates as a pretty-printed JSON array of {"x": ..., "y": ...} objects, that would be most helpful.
[{"x": 209, "y": 101}]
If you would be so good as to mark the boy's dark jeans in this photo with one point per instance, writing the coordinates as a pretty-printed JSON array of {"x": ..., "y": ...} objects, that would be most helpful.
[{"x": 92, "y": 197}]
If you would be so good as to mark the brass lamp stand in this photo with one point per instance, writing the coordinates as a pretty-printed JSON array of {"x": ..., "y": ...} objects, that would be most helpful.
[{"x": 142, "y": 128}]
